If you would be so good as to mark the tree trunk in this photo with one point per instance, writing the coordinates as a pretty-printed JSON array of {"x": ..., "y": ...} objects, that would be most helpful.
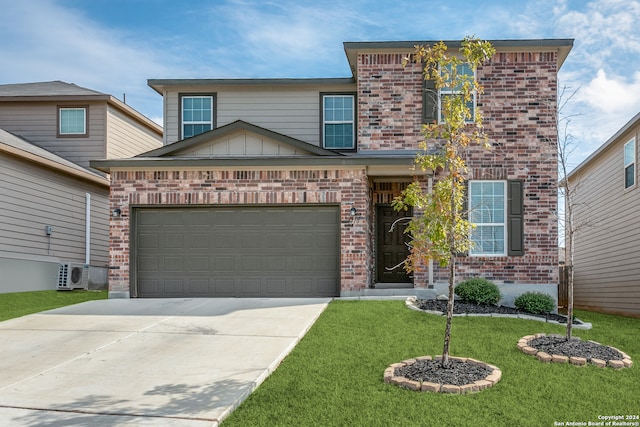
[
  {"x": 447, "y": 331},
  {"x": 569, "y": 260}
]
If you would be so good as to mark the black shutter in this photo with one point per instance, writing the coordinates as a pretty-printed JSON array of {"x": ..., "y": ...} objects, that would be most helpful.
[
  {"x": 515, "y": 217},
  {"x": 429, "y": 102}
]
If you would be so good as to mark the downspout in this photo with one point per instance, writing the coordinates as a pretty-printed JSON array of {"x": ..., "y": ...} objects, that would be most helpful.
[{"x": 87, "y": 233}]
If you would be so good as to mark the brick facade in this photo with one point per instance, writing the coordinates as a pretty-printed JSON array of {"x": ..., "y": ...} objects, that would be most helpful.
[
  {"x": 519, "y": 106},
  {"x": 347, "y": 188}
]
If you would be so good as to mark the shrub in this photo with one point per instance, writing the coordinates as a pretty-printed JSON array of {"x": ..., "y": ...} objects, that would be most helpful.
[
  {"x": 535, "y": 302},
  {"x": 478, "y": 291}
]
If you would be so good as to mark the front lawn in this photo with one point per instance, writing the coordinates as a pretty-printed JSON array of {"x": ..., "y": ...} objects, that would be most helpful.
[
  {"x": 18, "y": 304},
  {"x": 334, "y": 375}
]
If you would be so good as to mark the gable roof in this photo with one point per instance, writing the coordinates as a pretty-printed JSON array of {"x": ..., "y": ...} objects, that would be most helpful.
[
  {"x": 561, "y": 46},
  {"x": 20, "y": 147},
  {"x": 53, "y": 88},
  {"x": 159, "y": 85},
  {"x": 226, "y": 130},
  {"x": 630, "y": 124},
  {"x": 62, "y": 91}
]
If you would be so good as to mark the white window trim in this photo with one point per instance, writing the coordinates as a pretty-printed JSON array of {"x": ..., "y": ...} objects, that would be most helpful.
[
  {"x": 503, "y": 224},
  {"x": 84, "y": 114},
  {"x": 631, "y": 163},
  {"x": 450, "y": 91},
  {"x": 202, "y": 122},
  {"x": 339, "y": 122}
]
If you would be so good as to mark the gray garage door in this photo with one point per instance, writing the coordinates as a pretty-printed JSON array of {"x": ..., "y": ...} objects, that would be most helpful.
[{"x": 290, "y": 251}]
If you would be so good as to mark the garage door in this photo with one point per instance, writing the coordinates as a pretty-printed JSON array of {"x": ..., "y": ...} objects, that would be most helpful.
[{"x": 290, "y": 251}]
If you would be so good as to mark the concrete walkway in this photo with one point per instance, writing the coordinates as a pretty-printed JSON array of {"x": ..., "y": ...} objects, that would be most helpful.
[{"x": 144, "y": 362}]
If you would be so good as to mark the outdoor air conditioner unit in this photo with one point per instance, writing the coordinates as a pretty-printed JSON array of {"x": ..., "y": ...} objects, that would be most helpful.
[{"x": 72, "y": 276}]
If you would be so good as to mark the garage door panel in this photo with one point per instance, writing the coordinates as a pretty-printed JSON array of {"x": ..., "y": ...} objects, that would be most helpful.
[
  {"x": 224, "y": 264},
  {"x": 148, "y": 264},
  {"x": 223, "y": 239},
  {"x": 173, "y": 287},
  {"x": 225, "y": 251},
  {"x": 173, "y": 264},
  {"x": 148, "y": 241},
  {"x": 250, "y": 239},
  {"x": 173, "y": 240},
  {"x": 198, "y": 264}
]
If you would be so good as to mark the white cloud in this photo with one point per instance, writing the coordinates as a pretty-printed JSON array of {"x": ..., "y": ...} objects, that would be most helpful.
[
  {"x": 49, "y": 42},
  {"x": 611, "y": 95}
]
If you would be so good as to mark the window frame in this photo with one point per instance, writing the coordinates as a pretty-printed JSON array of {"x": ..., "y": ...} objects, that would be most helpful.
[
  {"x": 354, "y": 113},
  {"x": 452, "y": 91},
  {"x": 629, "y": 164},
  {"x": 504, "y": 224},
  {"x": 60, "y": 133},
  {"x": 212, "y": 122}
]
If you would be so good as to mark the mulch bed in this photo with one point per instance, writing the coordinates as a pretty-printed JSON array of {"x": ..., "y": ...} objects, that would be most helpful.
[
  {"x": 575, "y": 347},
  {"x": 460, "y": 307},
  {"x": 457, "y": 373}
]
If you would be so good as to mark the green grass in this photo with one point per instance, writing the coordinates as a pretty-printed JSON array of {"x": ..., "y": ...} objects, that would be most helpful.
[
  {"x": 334, "y": 375},
  {"x": 18, "y": 304}
]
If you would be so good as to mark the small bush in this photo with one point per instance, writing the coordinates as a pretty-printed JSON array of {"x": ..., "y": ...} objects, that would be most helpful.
[
  {"x": 535, "y": 302},
  {"x": 478, "y": 291}
]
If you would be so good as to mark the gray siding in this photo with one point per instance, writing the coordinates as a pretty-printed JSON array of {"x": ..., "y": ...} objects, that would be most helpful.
[
  {"x": 127, "y": 137},
  {"x": 606, "y": 262},
  {"x": 32, "y": 197},
  {"x": 292, "y": 111},
  {"x": 37, "y": 122}
]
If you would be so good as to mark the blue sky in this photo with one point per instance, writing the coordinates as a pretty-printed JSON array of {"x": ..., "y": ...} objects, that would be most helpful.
[{"x": 114, "y": 46}]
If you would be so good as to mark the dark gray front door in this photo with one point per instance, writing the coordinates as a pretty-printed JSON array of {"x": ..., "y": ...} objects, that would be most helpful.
[
  {"x": 391, "y": 247},
  {"x": 249, "y": 251}
]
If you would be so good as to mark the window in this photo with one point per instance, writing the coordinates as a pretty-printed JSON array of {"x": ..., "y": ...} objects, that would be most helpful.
[
  {"x": 197, "y": 115},
  {"x": 463, "y": 70},
  {"x": 72, "y": 121},
  {"x": 338, "y": 115},
  {"x": 630, "y": 163},
  {"x": 487, "y": 210}
]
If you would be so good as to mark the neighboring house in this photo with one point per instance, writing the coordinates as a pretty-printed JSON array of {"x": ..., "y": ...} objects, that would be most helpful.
[
  {"x": 282, "y": 187},
  {"x": 606, "y": 192},
  {"x": 53, "y": 207}
]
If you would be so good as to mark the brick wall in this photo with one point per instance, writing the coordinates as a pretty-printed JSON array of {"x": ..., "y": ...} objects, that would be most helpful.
[
  {"x": 348, "y": 188},
  {"x": 518, "y": 105},
  {"x": 389, "y": 103}
]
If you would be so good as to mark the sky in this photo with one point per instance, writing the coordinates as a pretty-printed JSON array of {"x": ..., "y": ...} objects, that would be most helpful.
[{"x": 115, "y": 46}]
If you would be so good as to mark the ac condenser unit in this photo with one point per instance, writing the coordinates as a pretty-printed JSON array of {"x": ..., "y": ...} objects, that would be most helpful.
[{"x": 72, "y": 276}]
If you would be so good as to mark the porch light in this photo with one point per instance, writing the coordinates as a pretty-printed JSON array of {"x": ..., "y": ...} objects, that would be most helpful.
[
  {"x": 353, "y": 211},
  {"x": 116, "y": 213}
]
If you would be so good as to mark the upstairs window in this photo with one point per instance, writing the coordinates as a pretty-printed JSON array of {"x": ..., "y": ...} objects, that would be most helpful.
[
  {"x": 462, "y": 70},
  {"x": 72, "y": 121},
  {"x": 197, "y": 115},
  {"x": 338, "y": 122},
  {"x": 488, "y": 211},
  {"x": 630, "y": 163}
]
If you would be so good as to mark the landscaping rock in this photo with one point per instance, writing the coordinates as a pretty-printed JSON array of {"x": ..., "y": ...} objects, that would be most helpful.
[
  {"x": 578, "y": 361},
  {"x": 543, "y": 357}
]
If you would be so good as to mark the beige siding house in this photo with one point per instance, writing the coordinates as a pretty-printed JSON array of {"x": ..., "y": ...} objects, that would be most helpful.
[
  {"x": 606, "y": 196},
  {"x": 53, "y": 207}
]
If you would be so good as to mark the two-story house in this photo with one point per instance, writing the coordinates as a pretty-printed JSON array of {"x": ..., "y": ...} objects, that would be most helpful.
[
  {"x": 605, "y": 192},
  {"x": 54, "y": 209},
  {"x": 282, "y": 187}
]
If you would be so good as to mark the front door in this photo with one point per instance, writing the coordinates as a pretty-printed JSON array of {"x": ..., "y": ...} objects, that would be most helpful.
[{"x": 392, "y": 249}]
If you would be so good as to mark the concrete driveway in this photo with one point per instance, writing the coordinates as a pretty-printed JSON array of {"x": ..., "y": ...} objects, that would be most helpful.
[{"x": 144, "y": 362}]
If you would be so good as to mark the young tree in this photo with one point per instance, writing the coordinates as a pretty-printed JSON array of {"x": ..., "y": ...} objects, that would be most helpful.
[
  {"x": 442, "y": 231},
  {"x": 567, "y": 191}
]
